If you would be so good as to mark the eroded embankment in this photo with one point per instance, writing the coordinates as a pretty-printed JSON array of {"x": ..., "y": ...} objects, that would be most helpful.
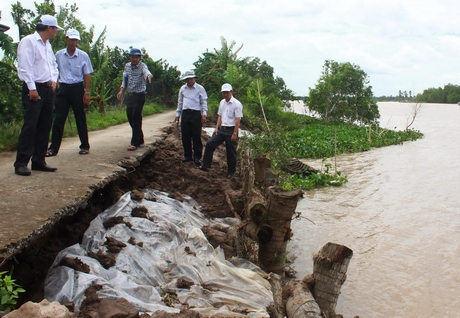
[{"x": 162, "y": 170}]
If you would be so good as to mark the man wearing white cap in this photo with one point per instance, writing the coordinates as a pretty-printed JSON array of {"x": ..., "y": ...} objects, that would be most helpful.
[
  {"x": 228, "y": 123},
  {"x": 192, "y": 108},
  {"x": 37, "y": 69},
  {"x": 74, "y": 91}
]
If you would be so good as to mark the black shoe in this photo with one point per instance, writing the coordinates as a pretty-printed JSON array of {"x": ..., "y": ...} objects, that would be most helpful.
[
  {"x": 186, "y": 159},
  {"x": 22, "y": 171},
  {"x": 197, "y": 161},
  {"x": 43, "y": 167},
  {"x": 230, "y": 175}
]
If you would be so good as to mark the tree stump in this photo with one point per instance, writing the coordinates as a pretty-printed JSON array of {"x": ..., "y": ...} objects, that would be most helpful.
[
  {"x": 330, "y": 266},
  {"x": 281, "y": 207}
]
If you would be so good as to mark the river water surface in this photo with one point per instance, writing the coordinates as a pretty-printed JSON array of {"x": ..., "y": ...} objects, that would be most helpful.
[{"x": 400, "y": 214}]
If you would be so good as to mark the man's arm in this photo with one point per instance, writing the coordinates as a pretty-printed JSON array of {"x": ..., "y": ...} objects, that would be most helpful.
[
  {"x": 235, "y": 130},
  {"x": 180, "y": 101},
  {"x": 219, "y": 122},
  {"x": 87, "y": 84}
]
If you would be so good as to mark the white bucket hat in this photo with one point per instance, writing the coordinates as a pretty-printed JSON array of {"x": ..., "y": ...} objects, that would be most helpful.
[
  {"x": 49, "y": 20},
  {"x": 73, "y": 34},
  {"x": 226, "y": 88},
  {"x": 189, "y": 74}
]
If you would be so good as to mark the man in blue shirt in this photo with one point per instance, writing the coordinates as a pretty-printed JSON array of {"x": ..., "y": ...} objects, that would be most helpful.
[
  {"x": 74, "y": 91},
  {"x": 135, "y": 79},
  {"x": 193, "y": 106}
]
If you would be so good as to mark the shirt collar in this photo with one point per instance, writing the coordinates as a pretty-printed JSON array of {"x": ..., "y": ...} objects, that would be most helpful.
[
  {"x": 38, "y": 37},
  {"x": 74, "y": 54}
]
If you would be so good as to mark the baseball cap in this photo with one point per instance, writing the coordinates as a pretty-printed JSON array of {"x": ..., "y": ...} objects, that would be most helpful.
[
  {"x": 135, "y": 51},
  {"x": 226, "y": 87},
  {"x": 73, "y": 34},
  {"x": 49, "y": 20}
]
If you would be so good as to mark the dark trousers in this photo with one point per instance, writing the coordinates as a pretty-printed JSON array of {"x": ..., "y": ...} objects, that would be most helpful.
[
  {"x": 38, "y": 117},
  {"x": 134, "y": 104},
  {"x": 191, "y": 131},
  {"x": 66, "y": 97},
  {"x": 223, "y": 135}
]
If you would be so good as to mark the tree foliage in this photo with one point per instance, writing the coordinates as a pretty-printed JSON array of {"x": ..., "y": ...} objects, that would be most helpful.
[
  {"x": 253, "y": 82},
  {"x": 108, "y": 63},
  {"x": 450, "y": 94},
  {"x": 343, "y": 94}
]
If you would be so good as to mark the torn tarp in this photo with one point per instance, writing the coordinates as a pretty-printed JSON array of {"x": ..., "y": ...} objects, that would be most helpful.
[{"x": 164, "y": 248}]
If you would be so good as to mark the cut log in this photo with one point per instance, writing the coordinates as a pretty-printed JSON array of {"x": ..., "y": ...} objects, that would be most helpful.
[
  {"x": 281, "y": 207},
  {"x": 261, "y": 233},
  {"x": 299, "y": 301},
  {"x": 330, "y": 266},
  {"x": 261, "y": 164},
  {"x": 271, "y": 178},
  {"x": 256, "y": 207}
]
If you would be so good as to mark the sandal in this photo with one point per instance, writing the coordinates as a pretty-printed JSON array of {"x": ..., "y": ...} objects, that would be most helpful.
[
  {"x": 83, "y": 152},
  {"x": 132, "y": 148},
  {"x": 50, "y": 153}
]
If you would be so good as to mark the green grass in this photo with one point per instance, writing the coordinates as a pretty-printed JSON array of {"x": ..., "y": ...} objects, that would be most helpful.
[{"x": 9, "y": 132}]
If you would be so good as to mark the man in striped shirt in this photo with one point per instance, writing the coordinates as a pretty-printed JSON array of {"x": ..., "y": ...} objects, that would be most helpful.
[{"x": 135, "y": 79}]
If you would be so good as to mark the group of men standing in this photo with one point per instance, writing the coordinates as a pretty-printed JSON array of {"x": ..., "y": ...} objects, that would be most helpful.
[
  {"x": 68, "y": 71},
  {"x": 192, "y": 109},
  {"x": 40, "y": 69}
]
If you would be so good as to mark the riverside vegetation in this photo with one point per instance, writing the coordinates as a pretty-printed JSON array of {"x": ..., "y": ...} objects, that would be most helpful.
[{"x": 346, "y": 121}]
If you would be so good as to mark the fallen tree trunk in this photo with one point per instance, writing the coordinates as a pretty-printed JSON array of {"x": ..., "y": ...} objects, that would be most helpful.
[
  {"x": 299, "y": 301},
  {"x": 330, "y": 266}
]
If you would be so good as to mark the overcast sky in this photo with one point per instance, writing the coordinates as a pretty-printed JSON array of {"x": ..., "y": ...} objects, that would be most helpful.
[{"x": 403, "y": 45}]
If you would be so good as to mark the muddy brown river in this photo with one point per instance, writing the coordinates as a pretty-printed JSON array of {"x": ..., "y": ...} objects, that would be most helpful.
[{"x": 400, "y": 214}]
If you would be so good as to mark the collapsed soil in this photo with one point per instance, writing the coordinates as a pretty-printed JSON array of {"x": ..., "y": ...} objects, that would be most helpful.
[{"x": 164, "y": 171}]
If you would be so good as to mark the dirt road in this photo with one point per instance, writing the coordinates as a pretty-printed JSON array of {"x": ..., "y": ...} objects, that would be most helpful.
[{"x": 30, "y": 206}]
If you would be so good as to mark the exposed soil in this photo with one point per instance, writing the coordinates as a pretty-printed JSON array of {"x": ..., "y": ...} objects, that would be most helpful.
[{"x": 163, "y": 170}]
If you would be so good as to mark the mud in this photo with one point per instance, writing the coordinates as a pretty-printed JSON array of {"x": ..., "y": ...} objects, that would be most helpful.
[{"x": 162, "y": 170}]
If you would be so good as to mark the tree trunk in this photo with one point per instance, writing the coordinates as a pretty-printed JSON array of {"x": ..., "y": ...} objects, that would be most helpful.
[
  {"x": 330, "y": 266},
  {"x": 281, "y": 207},
  {"x": 247, "y": 171}
]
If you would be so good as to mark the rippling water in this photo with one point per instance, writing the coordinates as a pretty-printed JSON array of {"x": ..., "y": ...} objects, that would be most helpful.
[{"x": 400, "y": 214}]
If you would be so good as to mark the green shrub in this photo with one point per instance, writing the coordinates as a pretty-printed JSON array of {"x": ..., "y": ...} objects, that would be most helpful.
[{"x": 8, "y": 292}]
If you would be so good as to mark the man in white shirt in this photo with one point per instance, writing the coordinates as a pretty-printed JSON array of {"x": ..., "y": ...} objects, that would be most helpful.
[
  {"x": 37, "y": 68},
  {"x": 192, "y": 108},
  {"x": 75, "y": 69},
  {"x": 228, "y": 123}
]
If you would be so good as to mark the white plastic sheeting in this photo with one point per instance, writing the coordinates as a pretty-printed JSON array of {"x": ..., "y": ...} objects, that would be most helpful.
[{"x": 140, "y": 273}]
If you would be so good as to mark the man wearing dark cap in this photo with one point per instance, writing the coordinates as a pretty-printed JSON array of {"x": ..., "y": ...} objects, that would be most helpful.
[
  {"x": 192, "y": 107},
  {"x": 38, "y": 70},
  {"x": 134, "y": 82},
  {"x": 74, "y": 91}
]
